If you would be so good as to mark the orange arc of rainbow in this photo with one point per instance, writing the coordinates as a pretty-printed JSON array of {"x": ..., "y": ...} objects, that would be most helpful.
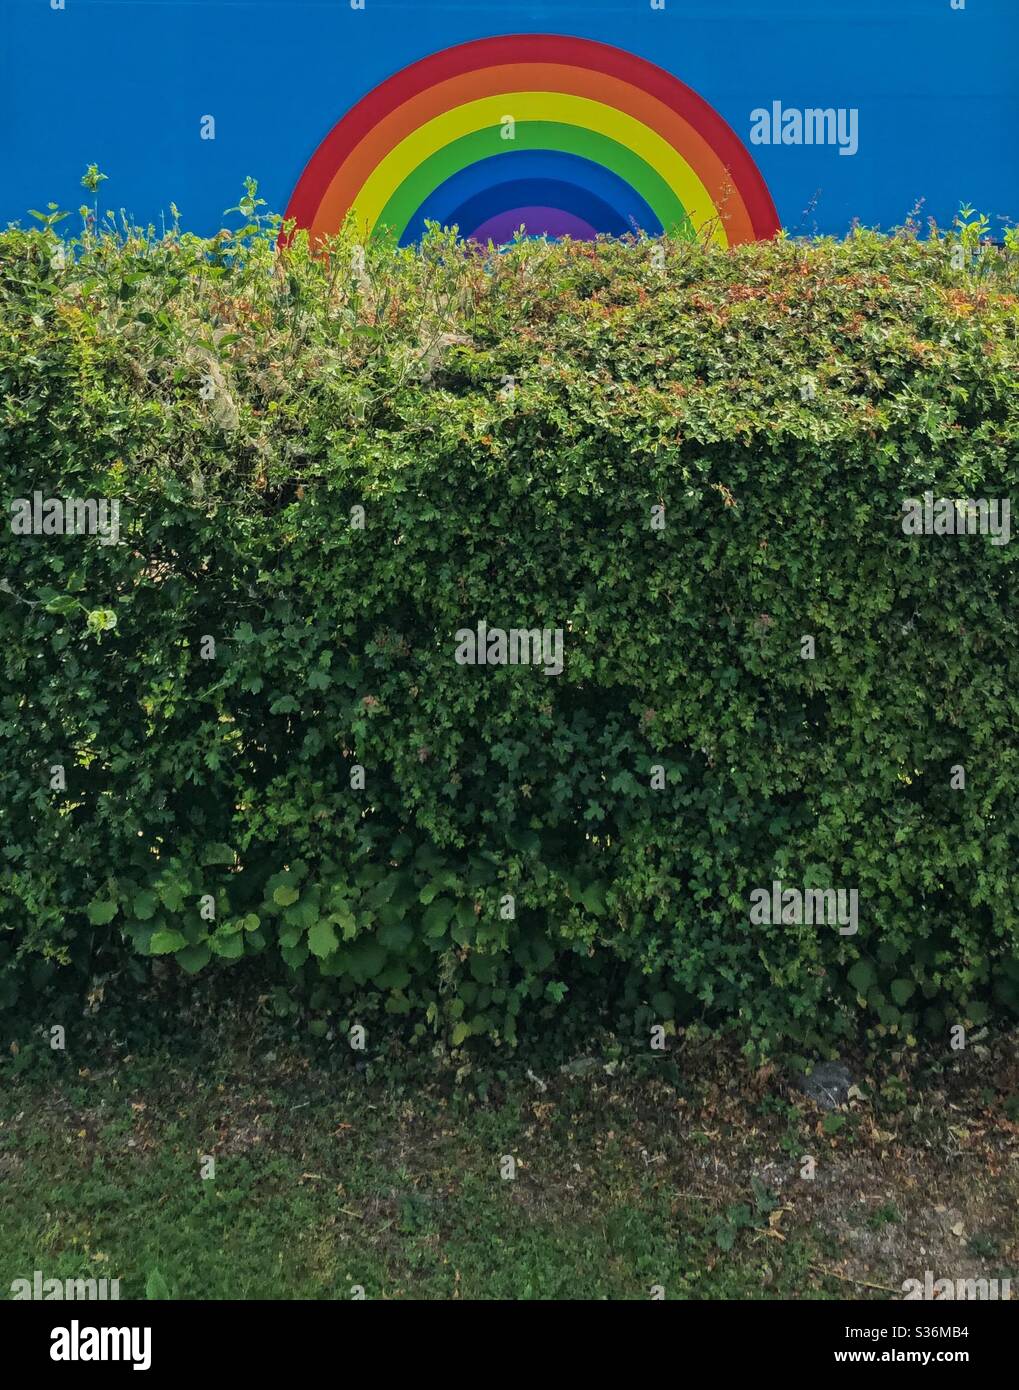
[{"x": 351, "y": 176}]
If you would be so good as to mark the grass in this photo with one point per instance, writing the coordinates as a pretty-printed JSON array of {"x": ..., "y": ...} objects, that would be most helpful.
[
  {"x": 320, "y": 1188},
  {"x": 329, "y": 1179}
]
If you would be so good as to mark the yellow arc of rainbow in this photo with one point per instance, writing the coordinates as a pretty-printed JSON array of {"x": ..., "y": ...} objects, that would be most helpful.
[{"x": 435, "y": 134}]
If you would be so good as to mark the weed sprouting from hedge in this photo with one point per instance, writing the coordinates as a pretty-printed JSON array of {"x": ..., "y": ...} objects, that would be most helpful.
[{"x": 687, "y": 461}]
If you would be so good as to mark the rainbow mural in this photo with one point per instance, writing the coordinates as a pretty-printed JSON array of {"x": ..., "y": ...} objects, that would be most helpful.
[{"x": 560, "y": 135}]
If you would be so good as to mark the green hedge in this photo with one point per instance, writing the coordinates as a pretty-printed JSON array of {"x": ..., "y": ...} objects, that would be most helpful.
[{"x": 509, "y": 422}]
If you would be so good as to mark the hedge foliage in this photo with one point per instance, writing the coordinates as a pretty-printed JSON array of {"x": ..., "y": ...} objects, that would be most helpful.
[{"x": 509, "y": 422}]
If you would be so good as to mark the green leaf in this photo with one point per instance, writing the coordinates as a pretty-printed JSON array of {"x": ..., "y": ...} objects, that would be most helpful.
[
  {"x": 101, "y": 911},
  {"x": 862, "y": 976},
  {"x": 227, "y": 945},
  {"x": 290, "y": 934},
  {"x": 171, "y": 895},
  {"x": 593, "y": 899},
  {"x": 218, "y": 854},
  {"x": 526, "y": 841},
  {"x": 902, "y": 990},
  {"x": 322, "y": 938},
  {"x": 663, "y": 1004},
  {"x": 166, "y": 941},
  {"x": 63, "y": 603},
  {"x": 346, "y": 922},
  {"x": 294, "y": 956},
  {"x": 144, "y": 905},
  {"x": 303, "y": 914},
  {"x": 396, "y": 936},
  {"x": 366, "y": 959},
  {"x": 193, "y": 958},
  {"x": 156, "y": 1287},
  {"x": 437, "y": 917},
  {"x": 285, "y": 895}
]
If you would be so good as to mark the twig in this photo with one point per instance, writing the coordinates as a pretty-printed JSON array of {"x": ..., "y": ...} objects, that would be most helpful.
[{"x": 847, "y": 1280}]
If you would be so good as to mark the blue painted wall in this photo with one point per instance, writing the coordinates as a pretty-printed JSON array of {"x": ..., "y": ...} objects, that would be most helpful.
[{"x": 125, "y": 83}]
